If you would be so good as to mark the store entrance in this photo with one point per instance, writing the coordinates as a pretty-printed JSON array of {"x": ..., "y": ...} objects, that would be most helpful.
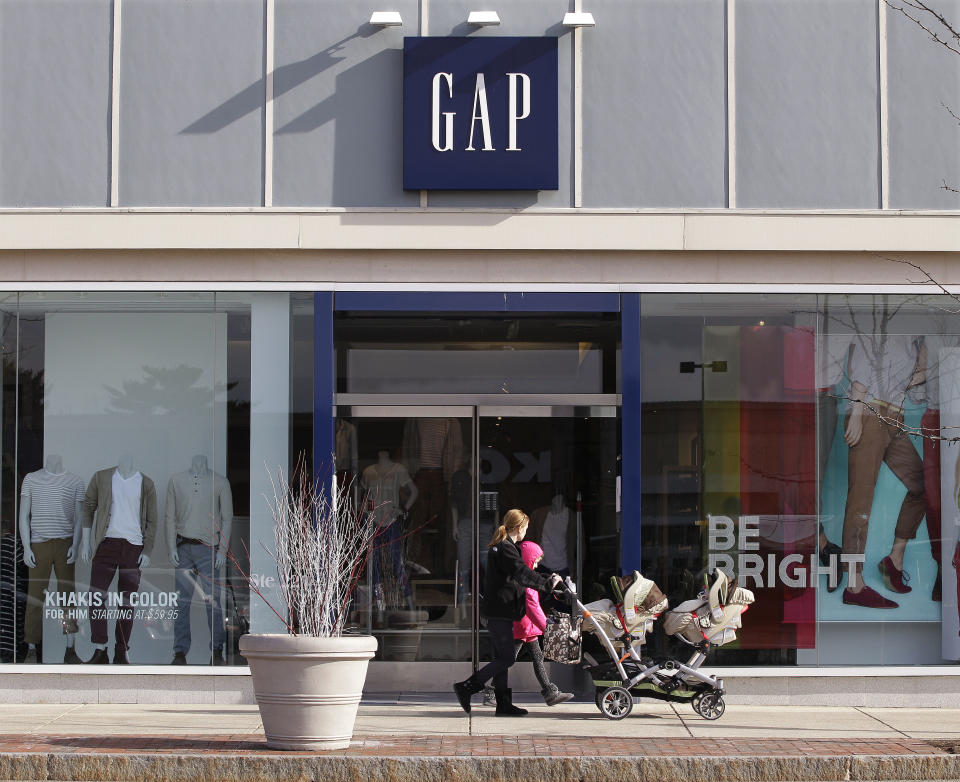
[{"x": 439, "y": 478}]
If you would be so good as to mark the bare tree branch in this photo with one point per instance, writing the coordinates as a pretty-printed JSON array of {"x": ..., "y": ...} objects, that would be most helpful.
[{"x": 925, "y": 11}]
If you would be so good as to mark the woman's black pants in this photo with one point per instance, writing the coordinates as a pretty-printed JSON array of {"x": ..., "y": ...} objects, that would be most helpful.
[{"x": 501, "y": 636}]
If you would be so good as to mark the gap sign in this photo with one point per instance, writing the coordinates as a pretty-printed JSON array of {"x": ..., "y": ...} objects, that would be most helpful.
[{"x": 480, "y": 113}]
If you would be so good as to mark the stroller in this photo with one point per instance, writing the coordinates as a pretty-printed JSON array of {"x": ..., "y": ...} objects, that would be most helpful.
[{"x": 621, "y": 625}]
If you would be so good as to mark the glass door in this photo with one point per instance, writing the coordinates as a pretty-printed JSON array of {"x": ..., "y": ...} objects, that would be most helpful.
[
  {"x": 440, "y": 478},
  {"x": 559, "y": 464},
  {"x": 412, "y": 468}
]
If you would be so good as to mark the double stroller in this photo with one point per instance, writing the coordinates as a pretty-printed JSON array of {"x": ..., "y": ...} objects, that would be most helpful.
[{"x": 621, "y": 625}]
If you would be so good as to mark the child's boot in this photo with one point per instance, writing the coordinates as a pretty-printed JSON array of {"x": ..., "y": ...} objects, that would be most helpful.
[
  {"x": 505, "y": 707},
  {"x": 552, "y": 695}
]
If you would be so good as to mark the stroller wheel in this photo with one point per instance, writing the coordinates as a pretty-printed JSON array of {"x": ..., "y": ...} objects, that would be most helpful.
[
  {"x": 616, "y": 703},
  {"x": 597, "y": 698},
  {"x": 712, "y": 706},
  {"x": 696, "y": 702}
]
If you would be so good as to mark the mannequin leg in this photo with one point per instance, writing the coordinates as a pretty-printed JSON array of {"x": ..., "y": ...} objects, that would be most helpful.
[
  {"x": 39, "y": 576},
  {"x": 865, "y": 459},
  {"x": 64, "y": 572},
  {"x": 902, "y": 458},
  {"x": 128, "y": 581},
  {"x": 185, "y": 589},
  {"x": 104, "y": 565}
]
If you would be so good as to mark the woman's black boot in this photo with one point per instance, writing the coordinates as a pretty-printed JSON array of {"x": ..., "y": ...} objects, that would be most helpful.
[
  {"x": 465, "y": 689},
  {"x": 505, "y": 707}
]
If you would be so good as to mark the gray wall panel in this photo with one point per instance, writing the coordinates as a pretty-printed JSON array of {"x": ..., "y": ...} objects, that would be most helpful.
[
  {"x": 54, "y": 102},
  {"x": 338, "y": 84},
  {"x": 924, "y": 139},
  {"x": 191, "y": 103},
  {"x": 518, "y": 17},
  {"x": 654, "y": 126},
  {"x": 807, "y": 112}
]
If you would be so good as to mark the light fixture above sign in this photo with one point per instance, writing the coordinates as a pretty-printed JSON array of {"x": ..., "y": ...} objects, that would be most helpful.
[
  {"x": 576, "y": 19},
  {"x": 483, "y": 18},
  {"x": 386, "y": 19}
]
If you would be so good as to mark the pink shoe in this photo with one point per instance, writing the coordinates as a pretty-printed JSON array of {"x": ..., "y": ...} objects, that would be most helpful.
[{"x": 895, "y": 580}]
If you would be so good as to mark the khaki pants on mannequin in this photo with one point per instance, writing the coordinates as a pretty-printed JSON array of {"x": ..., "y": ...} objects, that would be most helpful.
[
  {"x": 50, "y": 555},
  {"x": 882, "y": 443}
]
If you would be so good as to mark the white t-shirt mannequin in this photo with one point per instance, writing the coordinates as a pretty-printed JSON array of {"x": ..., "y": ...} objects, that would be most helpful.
[{"x": 126, "y": 469}]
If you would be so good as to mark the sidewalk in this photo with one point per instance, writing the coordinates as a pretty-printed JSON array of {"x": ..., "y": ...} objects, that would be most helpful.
[{"x": 419, "y": 739}]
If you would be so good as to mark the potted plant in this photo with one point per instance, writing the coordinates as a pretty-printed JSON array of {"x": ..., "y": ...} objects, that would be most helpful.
[{"x": 308, "y": 681}]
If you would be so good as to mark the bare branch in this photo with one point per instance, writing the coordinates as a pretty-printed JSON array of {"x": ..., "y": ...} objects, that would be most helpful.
[{"x": 925, "y": 25}]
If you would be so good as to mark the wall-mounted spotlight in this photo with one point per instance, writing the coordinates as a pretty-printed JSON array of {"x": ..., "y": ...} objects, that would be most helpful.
[
  {"x": 483, "y": 18},
  {"x": 572, "y": 19},
  {"x": 386, "y": 19}
]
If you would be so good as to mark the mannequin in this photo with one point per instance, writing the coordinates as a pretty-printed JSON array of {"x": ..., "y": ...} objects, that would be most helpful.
[
  {"x": 882, "y": 371},
  {"x": 346, "y": 451},
  {"x": 555, "y": 529},
  {"x": 51, "y": 505},
  {"x": 433, "y": 451},
  {"x": 199, "y": 514},
  {"x": 382, "y": 482},
  {"x": 119, "y": 527}
]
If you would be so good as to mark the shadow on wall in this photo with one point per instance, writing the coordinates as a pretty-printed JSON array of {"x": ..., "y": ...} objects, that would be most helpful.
[{"x": 285, "y": 78}]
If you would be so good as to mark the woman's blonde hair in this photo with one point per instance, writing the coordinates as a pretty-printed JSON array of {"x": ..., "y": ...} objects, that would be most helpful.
[{"x": 513, "y": 522}]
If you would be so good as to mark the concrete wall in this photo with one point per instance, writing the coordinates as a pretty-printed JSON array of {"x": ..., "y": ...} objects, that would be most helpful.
[
  {"x": 656, "y": 104},
  {"x": 191, "y": 103},
  {"x": 54, "y": 102}
]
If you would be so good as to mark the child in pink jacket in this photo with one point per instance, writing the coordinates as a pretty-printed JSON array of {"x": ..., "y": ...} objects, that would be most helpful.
[{"x": 528, "y": 630}]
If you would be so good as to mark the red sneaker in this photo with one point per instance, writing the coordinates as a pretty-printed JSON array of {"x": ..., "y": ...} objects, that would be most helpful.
[
  {"x": 868, "y": 598},
  {"x": 895, "y": 580}
]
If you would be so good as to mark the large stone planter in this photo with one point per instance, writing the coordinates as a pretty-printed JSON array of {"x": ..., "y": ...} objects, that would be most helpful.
[{"x": 308, "y": 689}]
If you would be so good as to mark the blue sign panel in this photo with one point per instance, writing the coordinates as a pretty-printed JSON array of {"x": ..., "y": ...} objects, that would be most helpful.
[{"x": 480, "y": 113}]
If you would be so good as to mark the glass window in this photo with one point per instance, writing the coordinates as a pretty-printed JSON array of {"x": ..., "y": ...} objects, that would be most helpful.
[
  {"x": 729, "y": 459},
  {"x": 807, "y": 445},
  {"x": 471, "y": 353},
  {"x": 128, "y": 489},
  {"x": 888, "y": 400}
]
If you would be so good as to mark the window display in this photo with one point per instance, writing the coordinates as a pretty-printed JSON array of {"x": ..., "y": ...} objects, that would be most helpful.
[
  {"x": 805, "y": 445},
  {"x": 126, "y": 554}
]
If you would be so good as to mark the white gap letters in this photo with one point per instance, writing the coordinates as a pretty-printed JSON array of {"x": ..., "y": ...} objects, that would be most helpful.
[{"x": 518, "y": 109}]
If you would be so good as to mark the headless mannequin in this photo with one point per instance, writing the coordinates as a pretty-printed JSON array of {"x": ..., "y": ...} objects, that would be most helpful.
[
  {"x": 126, "y": 468},
  {"x": 199, "y": 468},
  {"x": 199, "y": 515},
  {"x": 382, "y": 481},
  {"x": 382, "y": 469},
  {"x": 53, "y": 465}
]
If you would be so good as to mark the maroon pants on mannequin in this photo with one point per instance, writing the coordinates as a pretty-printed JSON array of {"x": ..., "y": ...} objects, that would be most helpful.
[
  {"x": 114, "y": 555},
  {"x": 930, "y": 425}
]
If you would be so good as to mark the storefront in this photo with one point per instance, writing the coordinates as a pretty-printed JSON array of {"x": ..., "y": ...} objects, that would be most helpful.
[{"x": 467, "y": 268}]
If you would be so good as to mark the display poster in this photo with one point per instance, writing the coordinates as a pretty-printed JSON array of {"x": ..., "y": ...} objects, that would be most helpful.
[
  {"x": 873, "y": 499},
  {"x": 145, "y": 391}
]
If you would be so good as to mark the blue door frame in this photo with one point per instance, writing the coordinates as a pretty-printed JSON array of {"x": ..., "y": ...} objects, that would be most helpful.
[{"x": 628, "y": 304}]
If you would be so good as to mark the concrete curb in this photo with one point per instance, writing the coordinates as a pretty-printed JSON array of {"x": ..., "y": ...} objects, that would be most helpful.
[{"x": 177, "y": 767}]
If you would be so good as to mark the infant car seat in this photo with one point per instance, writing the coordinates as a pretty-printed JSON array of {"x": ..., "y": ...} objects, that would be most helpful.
[
  {"x": 637, "y": 602},
  {"x": 713, "y": 616}
]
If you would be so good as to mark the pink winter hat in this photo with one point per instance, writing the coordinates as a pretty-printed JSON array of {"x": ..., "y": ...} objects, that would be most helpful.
[{"x": 530, "y": 552}]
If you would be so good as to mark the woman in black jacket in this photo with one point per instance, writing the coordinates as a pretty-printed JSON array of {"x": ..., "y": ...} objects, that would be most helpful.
[{"x": 504, "y": 603}]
